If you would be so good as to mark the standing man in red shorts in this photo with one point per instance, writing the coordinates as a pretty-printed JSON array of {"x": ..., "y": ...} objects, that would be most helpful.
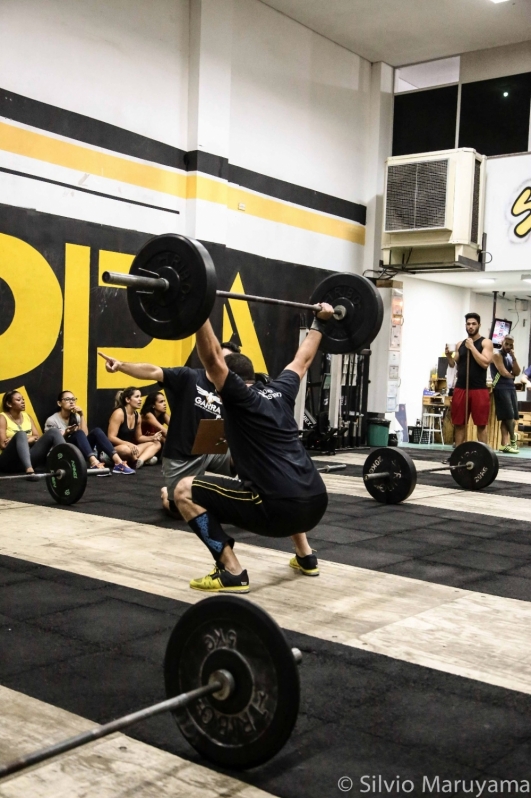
[{"x": 478, "y": 351}]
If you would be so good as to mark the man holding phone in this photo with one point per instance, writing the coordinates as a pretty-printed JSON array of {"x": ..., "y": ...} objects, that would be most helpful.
[{"x": 504, "y": 368}]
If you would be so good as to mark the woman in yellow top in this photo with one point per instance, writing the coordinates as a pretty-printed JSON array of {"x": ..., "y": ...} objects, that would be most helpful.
[{"x": 21, "y": 446}]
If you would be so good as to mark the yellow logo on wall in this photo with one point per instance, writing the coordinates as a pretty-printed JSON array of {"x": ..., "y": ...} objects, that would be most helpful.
[{"x": 522, "y": 205}]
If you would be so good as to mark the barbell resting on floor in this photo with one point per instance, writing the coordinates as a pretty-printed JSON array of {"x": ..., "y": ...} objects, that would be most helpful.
[
  {"x": 66, "y": 475},
  {"x": 232, "y": 684},
  {"x": 390, "y": 476},
  {"x": 172, "y": 287}
]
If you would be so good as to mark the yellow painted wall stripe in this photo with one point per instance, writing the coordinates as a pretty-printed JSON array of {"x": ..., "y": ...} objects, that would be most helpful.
[
  {"x": 76, "y": 322},
  {"x": 191, "y": 187},
  {"x": 113, "y": 262}
]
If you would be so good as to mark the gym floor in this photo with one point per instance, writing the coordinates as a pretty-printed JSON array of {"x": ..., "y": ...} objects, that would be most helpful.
[{"x": 415, "y": 638}]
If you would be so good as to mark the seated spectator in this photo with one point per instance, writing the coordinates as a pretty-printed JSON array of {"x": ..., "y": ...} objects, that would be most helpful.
[
  {"x": 154, "y": 416},
  {"x": 21, "y": 446},
  {"x": 125, "y": 431},
  {"x": 71, "y": 423}
]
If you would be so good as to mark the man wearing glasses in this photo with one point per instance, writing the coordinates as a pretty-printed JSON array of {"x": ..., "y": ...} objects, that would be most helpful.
[{"x": 71, "y": 422}]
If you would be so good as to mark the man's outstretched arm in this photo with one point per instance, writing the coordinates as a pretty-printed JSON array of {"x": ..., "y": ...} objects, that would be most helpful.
[
  {"x": 141, "y": 371},
  {"x": 308, "y": 349},
  {"x": 211, "y": 356}
]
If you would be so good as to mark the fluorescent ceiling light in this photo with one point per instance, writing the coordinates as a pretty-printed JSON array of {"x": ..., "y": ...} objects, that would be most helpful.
[
  {"x": 490, "y": 280},
  {"x": 498, "y": 1},
  {"x": 526, "y": 278}
]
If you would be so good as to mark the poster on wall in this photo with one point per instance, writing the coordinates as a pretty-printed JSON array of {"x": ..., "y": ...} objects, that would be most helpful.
[{"x": 508, "y": 213}]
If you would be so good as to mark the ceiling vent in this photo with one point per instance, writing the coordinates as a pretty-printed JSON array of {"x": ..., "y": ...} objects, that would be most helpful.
[{"x": 433, "y": 213}]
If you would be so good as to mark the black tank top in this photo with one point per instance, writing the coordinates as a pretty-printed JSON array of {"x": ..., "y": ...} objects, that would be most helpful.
[
  {"x": 124, "y": 433},
  {"x": 498, "y": 381},
  {"x": 477, "y": 376}
]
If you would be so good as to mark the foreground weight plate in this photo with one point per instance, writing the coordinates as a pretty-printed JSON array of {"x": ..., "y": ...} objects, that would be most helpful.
[
  {"x": 485, "y": 468},
  {"x": 364, "y": 307},
  {"x": 253, "y": 724},
  {"x": 403, "y": 475},
  {"x": 69, "y": 488},
  {"x": 188, "y": 267}
]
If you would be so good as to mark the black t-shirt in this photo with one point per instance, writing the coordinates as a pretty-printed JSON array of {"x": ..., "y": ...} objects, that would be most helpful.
[
  {"x": 191, "y": 397},
  {"x": 264, "y": 440}
]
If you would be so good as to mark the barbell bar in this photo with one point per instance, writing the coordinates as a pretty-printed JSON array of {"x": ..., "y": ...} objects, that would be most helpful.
[
  {"x": 66, "y": 474},
  {"x": 160, "y": 284},
  {"x": 232, "y": 684},
  {"x": 172, "y": 287},
  {"x": 390, "y": 475}
]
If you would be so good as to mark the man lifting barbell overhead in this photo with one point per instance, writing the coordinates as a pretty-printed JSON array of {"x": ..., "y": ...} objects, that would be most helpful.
[
  {"x": 473, "y": 357},
  {"x": 279, "y": 492}
]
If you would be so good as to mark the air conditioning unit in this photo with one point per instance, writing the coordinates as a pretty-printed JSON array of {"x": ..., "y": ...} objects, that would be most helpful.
[{"x": 433, "y": 211}]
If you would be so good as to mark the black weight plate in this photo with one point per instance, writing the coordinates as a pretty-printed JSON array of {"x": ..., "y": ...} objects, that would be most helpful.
[
  {"x": 254, "y": 723},
  {"x": 364, "y": 308},
  {"x": 400, "y": 485},
  {"x": 69, "y": 488},
  {"x": 188, "y": 267},
  {"x": 485, "y": 468}
]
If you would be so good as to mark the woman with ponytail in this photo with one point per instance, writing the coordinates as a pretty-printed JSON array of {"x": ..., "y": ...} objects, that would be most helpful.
[{"x": 125, "y": 432}]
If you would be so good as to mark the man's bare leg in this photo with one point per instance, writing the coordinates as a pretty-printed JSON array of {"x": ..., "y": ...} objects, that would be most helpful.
[
  {"x": 459, "y": 433},
  {"x": 505, "y": 437},
  {"x": 301, "y": 545},
  {"x": 189, "y": 511},
  {"x": 482, "y": 434}
]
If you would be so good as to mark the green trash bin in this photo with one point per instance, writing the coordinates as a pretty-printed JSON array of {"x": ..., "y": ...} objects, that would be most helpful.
[{"x": 378, "y": 432}]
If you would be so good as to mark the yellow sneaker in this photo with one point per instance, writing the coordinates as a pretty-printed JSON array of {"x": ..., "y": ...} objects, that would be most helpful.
[
  {"x": 222, "y": 581},
  {"x": 306, "y": 565}
]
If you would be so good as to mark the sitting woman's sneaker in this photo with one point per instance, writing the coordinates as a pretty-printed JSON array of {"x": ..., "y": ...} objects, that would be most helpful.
[{"x": 122, "y": 468}]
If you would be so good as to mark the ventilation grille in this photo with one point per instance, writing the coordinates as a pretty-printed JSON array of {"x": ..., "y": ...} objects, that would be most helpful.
[
  {"x": 416, "y": 196},
  {"x": 475, "y": 204}
]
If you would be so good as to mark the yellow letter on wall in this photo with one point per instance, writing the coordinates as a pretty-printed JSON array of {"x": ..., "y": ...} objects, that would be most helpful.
[
  {"x": 76, "y": 322},
  {"x": 32, "y": 334}
]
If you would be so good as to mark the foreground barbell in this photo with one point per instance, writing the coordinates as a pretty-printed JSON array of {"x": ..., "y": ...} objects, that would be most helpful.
[
  {"x": 172, "y": 287},
  {"x": 66, "y": 474},
  {"x": 390, "y": 476},
  {"x": 232, "y": 685}
]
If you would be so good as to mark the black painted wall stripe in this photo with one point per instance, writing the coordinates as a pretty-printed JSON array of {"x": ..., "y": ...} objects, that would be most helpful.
[
  {"x": 102, "y": 134},
  {"x": 86, "y": 190}
]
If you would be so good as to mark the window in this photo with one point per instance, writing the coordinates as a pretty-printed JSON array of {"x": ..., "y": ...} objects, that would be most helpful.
[{"x": 425, "y": 121}]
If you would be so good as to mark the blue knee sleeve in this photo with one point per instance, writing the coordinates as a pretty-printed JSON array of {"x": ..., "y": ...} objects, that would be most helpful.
[{"x": 209, "y": 530}]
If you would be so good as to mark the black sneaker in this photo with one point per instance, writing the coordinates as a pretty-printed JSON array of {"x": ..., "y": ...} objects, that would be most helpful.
[
  {"x": 221, "y": 581},
  {"x": 306, "y": 565}
]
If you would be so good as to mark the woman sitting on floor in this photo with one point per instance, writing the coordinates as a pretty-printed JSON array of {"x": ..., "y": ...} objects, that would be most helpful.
[
  {"x": 71, "y": 423},
  {"x": 125, "y": 431},
  {"x": 154, "y": 416},
  {"x": 21, "y": 446}
]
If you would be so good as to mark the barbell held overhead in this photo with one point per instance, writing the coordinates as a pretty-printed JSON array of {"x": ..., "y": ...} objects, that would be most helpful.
[
  {"x": 153, "y": 284},
  {"x": 172, "y": 287},
  {"x": 232, "y": 684}
]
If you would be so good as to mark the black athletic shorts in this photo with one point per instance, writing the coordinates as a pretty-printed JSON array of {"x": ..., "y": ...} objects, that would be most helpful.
[
  {"x": 232, "y": 503},
  {"x": 506, "y": 404}
]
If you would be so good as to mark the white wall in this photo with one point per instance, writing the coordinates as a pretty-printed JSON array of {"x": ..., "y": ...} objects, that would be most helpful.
[
  {"x": 510, "y": 59},
  {"x": 299, "y": 103},
  {"x": 433, "y": 316},
  {"x": 120, "y": 61}
]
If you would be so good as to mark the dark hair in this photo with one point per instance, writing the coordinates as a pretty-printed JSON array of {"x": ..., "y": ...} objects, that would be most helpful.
[
  {"x": 242, "y": 366},
  {"x": 7, "y": 398},
  {"x": 149, "y": 403},
  {"x": 121, "y": 396},
  {"x": 475, "y": 316},
  {"x": 60, "y": 396},
  {"x": 234, "y": 348}
]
